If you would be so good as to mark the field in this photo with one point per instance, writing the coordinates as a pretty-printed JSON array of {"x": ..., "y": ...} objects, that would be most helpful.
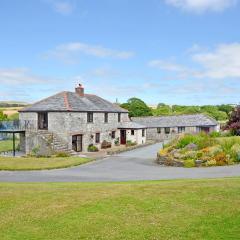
[
  {"x": 179, "y": 209},
  {"x": 10, "y": 110},
  {"x": 33, "y": 163}
]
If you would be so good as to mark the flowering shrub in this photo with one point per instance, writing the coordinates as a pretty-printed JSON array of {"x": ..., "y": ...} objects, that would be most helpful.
[
  {"x": 221, "y": 159},
  {"x": 211, "y": 163}
]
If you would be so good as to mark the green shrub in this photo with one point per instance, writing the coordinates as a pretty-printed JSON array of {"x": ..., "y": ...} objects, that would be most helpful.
[
  {"x": 62, "y": 154},
  {"x": 202, "y": 140},
  {"x": 214, "y": 150},
  {"x": 130, "y": 143},
  {"x": 116, "y": 142},
  {"x": 189, "y": 163},
  {"x": 215, "y": 134},
  {"x": 235, "y": 152},
  {"x": 35, "y": 151},
  {"x": 92, "y": 148},
  {"x": 199, "y": 155},
  {"x": 227, "y": 143},
  {"x": 190, "y": 155}
]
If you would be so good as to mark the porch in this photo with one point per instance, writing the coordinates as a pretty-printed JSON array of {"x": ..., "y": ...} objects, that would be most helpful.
[{"x": 13, "y": 130}]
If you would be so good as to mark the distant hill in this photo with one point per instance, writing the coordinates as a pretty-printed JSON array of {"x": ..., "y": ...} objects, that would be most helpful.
[{"x": 7, "y": 104}]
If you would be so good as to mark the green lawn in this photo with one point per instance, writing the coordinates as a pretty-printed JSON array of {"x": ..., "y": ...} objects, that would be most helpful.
[
  {"x": 33, "y": 163},
  {"x": 7, "y": 145},
  {"x": 183, "y": 209}
]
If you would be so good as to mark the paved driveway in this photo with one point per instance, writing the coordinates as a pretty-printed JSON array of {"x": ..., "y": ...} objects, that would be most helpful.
[{"x": 138, "y": 164}]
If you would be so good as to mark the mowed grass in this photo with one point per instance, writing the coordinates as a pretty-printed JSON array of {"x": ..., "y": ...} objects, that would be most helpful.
[
  {"x": 33, "y": 163},
  {"x": 179, "y": 209},
  {"x": 7, "y": 145}
]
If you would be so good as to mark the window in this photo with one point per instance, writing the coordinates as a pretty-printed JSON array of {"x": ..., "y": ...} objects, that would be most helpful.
[
  {"x": 119, "y": 117},
  {"x": 143, "y": 132},
  {"x": 113, "y": 134},
  {"x": 106, "y": 117},
  {"x": 43, "y": 121},
  {"x": 132, "y": 132},
  {"x": 181, "y": 129},
  {"x": 158, "y": 130},
  {"x": 97, "y": 138},
  {"x": 167, "y": 130},
  {"x": 89, "y": 117}
]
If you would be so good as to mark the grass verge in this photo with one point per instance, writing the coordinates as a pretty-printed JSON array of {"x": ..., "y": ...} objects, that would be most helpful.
[
  {"x": 33, "y": 163},
  {"x": 182, "y": 209}
]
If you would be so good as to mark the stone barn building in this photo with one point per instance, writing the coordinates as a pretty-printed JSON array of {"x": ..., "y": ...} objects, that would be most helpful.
[
  {"x": 167, "y": 127},
  {"x": 72, "y": 121}
]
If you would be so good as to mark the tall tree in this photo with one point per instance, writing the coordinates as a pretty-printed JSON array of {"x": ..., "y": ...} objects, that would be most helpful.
[
  {"x": 137, "y": 107},
  {"x": 162, "y": 109},
  {"x": 226, "y": 108}
]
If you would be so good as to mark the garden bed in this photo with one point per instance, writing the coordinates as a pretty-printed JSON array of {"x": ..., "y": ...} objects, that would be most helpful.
[{"x": 200, "y": 150}]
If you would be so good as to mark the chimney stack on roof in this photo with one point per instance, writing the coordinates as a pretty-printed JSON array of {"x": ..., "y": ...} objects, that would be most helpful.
[{"x": 80, "y": 90}]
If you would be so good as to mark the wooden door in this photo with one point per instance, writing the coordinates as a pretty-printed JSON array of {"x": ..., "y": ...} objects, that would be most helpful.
[
  {"x": 77, "y": 143},
  {"x": 123, "y": 136}
]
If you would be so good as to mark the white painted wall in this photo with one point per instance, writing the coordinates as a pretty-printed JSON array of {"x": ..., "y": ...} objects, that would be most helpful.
[{"x": 137, "y": 137}]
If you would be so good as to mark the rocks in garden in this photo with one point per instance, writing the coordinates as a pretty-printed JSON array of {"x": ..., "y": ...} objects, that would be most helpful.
[
  {"x": 169, "y": 161},
  {"x": 198, "y": 163},
  {"x": 191, "y": 146},
  {"x": 176, "y": 153}
]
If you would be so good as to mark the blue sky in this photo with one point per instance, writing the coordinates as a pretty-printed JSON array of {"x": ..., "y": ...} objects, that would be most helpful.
[{"x": 172, "y": 51}]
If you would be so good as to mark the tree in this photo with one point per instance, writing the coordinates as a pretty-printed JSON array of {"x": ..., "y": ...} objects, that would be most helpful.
[
  {"x": 137, "y": 107},
  {"x": 162, "y": 109},
  {"x": 178, "y": 109},
  {"x": 214, "y": 112},
  {"x": 226, "y": 108},
  {"x": 234, "y": 122}
]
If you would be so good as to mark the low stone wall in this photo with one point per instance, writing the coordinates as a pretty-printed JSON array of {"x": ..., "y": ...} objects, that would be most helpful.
[
  {"x": 164, "y": 160},
  {"x": 125, "y": 149}
]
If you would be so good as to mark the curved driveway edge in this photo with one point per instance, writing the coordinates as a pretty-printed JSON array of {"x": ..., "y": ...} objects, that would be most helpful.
[{"x": 138, "y": 164}]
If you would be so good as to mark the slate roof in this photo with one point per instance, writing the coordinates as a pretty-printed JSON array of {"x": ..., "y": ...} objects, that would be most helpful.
[
  {"x": 130, "y": 125},
  {"x": 176, "y": 121},
  {"x": 72, "y": 102}
]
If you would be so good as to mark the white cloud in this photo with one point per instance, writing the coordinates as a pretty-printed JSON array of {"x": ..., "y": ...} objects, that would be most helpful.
[
  {"x": 20, "y": 76},
  {"x": 64, "y": 8},
  {"x": 70, "y": 52},
  {"x": 223, "y": 62},
  {"x": 200, "y": 6},
  {"x": 167, "y": 65}
]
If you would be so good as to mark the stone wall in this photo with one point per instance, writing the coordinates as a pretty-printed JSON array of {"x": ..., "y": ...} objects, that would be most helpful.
[
  {"x": 152, "y": 133},
  {"x": 66, "y": 124}
]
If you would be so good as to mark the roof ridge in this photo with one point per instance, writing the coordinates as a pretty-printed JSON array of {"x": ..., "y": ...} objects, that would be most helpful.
[
  {"x": 175, "y": 115},
  {"x": 66, "y": 102}
]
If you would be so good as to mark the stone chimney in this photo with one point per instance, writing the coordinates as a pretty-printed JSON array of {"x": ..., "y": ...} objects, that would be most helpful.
[{"x": 80, "y": 90}]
